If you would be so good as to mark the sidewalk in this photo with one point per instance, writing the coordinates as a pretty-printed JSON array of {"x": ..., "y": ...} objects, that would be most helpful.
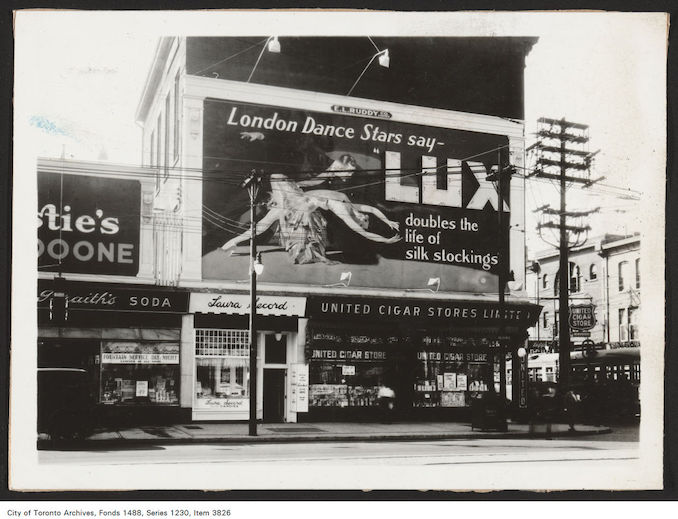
[{"x": 206, "y": 432}]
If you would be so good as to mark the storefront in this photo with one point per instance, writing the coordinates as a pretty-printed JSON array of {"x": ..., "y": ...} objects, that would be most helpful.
[
  {"x": 220, "y": 367},
  {"x": 127, "y": 338},
  {"x": 435, "y": 366}
]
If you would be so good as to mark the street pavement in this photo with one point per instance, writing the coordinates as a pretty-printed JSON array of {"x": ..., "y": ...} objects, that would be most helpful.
[
  {"x": 210, "y": 432},
  {"x": 429, "y": 464}
]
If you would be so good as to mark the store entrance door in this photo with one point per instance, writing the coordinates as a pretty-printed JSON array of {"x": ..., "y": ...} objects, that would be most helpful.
[{"x": 274, "y": 395}]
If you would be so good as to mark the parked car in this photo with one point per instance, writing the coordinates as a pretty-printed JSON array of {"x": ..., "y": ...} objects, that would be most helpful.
[{"x": 65, "y": 403}]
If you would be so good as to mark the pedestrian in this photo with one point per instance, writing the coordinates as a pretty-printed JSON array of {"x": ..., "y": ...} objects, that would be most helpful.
[
  {"x": 386, "y": 397},
  {"x": 571, "y": 405}
]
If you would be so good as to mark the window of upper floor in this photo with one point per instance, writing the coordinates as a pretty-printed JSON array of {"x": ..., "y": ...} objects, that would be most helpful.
[
  {"x": 633, "y": 324},
  {"x": 622, "y": 275},
  {"x": 593, "y": 272},
  {"x": 575, "y": 278},
  {"x": 177, "y": 115},
  {"x": 545, "y": 281},
  {"x": 623, "y": 325},
  {"x": 151, "y": 160},
  {"x": 637, "y": 272},
  {"x": 166, "y": 146}
]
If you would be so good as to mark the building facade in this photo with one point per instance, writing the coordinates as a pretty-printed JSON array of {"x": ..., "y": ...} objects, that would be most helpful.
[
  {"x": 605, "y": 273},
  {"x": 99, "y": 308},
  {"x": 376, "y": 223}
]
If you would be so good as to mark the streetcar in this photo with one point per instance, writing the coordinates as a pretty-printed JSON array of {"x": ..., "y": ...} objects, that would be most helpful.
[{"x": 607, "y": 381}]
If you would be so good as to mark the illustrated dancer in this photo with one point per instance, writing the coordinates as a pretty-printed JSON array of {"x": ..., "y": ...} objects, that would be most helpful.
[{"x": 303, "y": 229}]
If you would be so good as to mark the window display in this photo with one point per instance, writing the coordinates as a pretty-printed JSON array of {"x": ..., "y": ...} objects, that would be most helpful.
[
  {"x": 450, "y": 378},
  {"x": 221, "y": 370},
  {"x": 221, "y": 383},
  {"x": 345, "y": 370},
  {"x": 135, "y": 373},
  {"x": 330, "y": 385}
]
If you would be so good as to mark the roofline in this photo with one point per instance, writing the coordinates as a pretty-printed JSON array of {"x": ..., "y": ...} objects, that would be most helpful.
[
  {"x": 619, "y": 243},
  {"x": 101, "y": 169},
  {"x": 598, "y": 243},
  {"x": 164, "y": 45},
  {"x": 162, "y": 49}
]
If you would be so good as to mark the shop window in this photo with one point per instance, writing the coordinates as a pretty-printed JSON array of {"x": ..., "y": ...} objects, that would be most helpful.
[
  {"x": 534, "y": 374},
  {"x": 136, "y": 373},
  {"x": 593, "y": 272},
  {"x": 222, "y": 369},
  {"x": 550, "y": 375},
  {"x": 451, "y": 378},
  {"x": 352, "y": 382},
  {"x": 538, "y": 375},
  {"x": 621, "y": 274},
  {"x": 546, "y": 319}
]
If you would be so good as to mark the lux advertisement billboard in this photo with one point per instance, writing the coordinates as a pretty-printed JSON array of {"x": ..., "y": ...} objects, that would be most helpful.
[
  {"x": 393, "y": 203},
  {"x": 88, "y": 224}
]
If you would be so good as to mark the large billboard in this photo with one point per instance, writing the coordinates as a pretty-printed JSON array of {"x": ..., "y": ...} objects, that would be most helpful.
[
  {"x": 88, "y": 224},
  {"x": 351, "y": 190}
]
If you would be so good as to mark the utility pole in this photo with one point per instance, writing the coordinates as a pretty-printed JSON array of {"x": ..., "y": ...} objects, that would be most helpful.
[
  {"x": 251, "y": 183},
  {"x": 556, "y": 153},
  {"x": 502, "y": 176}
]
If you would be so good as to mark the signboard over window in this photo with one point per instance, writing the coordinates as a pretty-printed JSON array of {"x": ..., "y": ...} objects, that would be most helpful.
[
  {"x": 88, "y": 224},
  {"x": 392, "y": 202},
  {"x": 239, "y": 304},
  {"x": 459, "y": 312},
  {"x": 97, "y": 296}
]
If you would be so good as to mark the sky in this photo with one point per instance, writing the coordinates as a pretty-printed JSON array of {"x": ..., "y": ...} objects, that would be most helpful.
[{"x": 82, "y": 73}]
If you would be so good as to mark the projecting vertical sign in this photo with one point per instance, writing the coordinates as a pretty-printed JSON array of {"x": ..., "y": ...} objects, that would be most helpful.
[
  {"x": 523, "y": 382},
  {"x": 88, "y": 224},
  {"x": 392, "y": 202},
  {"x": 582, "y": 317}
]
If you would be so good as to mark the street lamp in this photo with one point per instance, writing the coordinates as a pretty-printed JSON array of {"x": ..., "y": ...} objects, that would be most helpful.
[{"x": 255, "y": 268}]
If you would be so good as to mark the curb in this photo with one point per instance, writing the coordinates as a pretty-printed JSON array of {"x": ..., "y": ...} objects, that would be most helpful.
[{"x": 119, "y": 442}]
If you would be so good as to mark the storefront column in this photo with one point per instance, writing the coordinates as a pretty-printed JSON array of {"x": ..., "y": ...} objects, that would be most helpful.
[
  {"x": 187, "y": 360},
  {"x": 296, "y": 356},
  {"x": 261, "y": 337}
]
